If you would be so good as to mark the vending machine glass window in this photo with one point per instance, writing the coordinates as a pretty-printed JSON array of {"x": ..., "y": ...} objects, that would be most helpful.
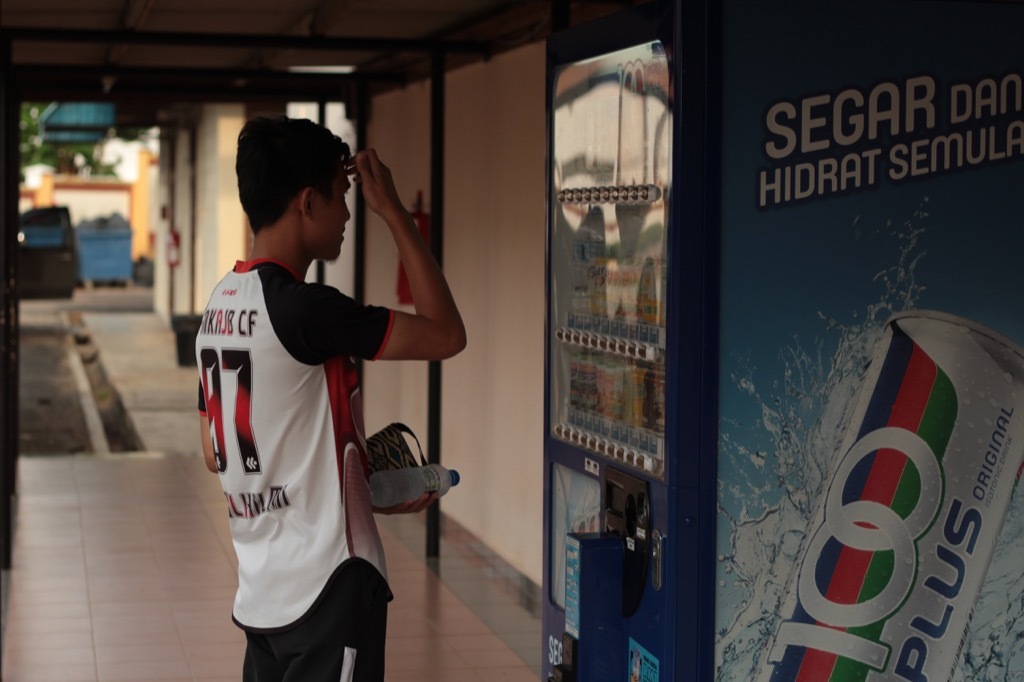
[{"x": 611, "y": 185}]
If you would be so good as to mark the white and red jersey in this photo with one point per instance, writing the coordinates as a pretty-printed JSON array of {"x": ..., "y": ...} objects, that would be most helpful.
[{"x": 281, "y": 392}]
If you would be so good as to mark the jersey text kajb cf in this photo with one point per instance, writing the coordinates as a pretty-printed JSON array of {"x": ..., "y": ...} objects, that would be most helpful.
[{"x": 280, "y": 390}]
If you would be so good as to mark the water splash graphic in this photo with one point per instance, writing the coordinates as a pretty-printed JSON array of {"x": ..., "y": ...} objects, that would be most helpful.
[{"x": 772, "y": 472}]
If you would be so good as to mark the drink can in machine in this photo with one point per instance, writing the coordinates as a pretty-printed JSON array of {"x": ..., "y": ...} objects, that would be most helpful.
[{"x": 900, "y": 545}]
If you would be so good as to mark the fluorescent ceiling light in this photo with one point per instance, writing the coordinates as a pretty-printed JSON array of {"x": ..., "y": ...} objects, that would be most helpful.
[{"x": 322, "y": 69}]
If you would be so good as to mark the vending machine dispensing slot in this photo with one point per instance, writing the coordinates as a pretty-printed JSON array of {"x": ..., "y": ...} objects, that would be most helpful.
[
  {"x": 606, "y": 574},
  {"x": 627, "y": 515}
]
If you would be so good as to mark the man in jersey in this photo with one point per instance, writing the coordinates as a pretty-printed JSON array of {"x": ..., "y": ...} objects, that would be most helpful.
[{"x": 280, "y": 408}]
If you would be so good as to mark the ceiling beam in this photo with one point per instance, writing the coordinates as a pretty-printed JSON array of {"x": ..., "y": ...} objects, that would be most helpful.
[
  {"x": 238, "y": 40},
  {"x": 328, "y": 14},
  {"x": 133, "y": 15},
  {"x": 158, "y": 96},
  {"x": 64, "y": 82},
  {"x": 75, "y": 70},
  {"x": 314, "y": 22}
]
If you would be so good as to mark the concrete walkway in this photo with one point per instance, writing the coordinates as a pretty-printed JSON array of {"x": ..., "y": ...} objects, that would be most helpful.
[
  {"x": 138, "y": 352},
  {"x": 124, "y": 569}
]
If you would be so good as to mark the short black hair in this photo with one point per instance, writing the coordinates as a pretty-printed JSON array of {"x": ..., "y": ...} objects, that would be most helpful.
[{"x": 277, "y": 158}]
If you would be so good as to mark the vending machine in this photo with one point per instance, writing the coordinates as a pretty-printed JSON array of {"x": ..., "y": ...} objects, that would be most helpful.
[
  {"x": 784, "y": 393},
  {"x": 629, "y": 476}
]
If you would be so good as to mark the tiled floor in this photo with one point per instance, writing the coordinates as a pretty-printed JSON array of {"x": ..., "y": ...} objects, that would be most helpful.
[{"x": 123, "y": 570}]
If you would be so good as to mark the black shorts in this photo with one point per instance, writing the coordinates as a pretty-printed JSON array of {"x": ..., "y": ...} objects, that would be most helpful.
[{"x": 340, "y": 640}]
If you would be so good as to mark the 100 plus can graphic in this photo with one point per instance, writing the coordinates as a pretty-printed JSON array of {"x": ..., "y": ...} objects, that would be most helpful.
[{"x": 899, "y": 548}]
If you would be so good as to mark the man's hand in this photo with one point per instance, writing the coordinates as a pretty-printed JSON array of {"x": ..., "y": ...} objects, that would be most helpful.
[
  {"x": 377, "y": 184},
  {"x": 207, "y": 443},
  {"x": 410, "y": 507}
]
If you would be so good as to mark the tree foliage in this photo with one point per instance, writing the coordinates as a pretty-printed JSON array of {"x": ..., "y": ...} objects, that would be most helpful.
[{"x": 70, "y": 158}]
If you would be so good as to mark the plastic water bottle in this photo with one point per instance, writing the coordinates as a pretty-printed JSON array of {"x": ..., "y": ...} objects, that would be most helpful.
[{"x": 394, "y": 486}]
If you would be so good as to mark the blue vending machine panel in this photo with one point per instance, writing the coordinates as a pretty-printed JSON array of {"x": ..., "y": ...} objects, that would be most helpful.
[
  {"x": 761, "y": 237},
  {"x": 623, "y": 536},
  {"x": 857, "y": 431}
]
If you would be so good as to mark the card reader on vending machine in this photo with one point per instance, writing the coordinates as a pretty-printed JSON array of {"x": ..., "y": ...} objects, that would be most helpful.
[{"x": 605, "y": 577}]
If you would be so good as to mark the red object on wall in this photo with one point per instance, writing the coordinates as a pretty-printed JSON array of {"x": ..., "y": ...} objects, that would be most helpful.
[
  {"x": 422, "y": 220},
  {"x": 173, "y": 248}
]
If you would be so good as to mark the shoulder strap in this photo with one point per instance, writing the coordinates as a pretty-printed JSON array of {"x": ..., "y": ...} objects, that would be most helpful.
[{"x": 389, "y": 449}]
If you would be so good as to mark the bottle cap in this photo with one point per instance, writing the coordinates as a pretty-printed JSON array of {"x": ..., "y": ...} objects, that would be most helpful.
[{"x": 455, "y": 477}]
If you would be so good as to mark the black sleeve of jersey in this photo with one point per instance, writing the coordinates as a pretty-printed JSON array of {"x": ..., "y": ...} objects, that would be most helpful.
[
  {"x": 315, "y": 322},
  {"x": 202, "y": 399}
]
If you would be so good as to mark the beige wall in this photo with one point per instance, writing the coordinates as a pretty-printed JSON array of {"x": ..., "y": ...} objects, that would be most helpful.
[
  {"x": 492, "y": 406},
  {"x": 90, "y": 200},
  {"x": 220, "y": 222},
  {"x": 399, "y": 131},
  {"x": 220, "y": 225},
  {"x": 161, "y": 212},
  {"x": 181, "y": 221}
]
